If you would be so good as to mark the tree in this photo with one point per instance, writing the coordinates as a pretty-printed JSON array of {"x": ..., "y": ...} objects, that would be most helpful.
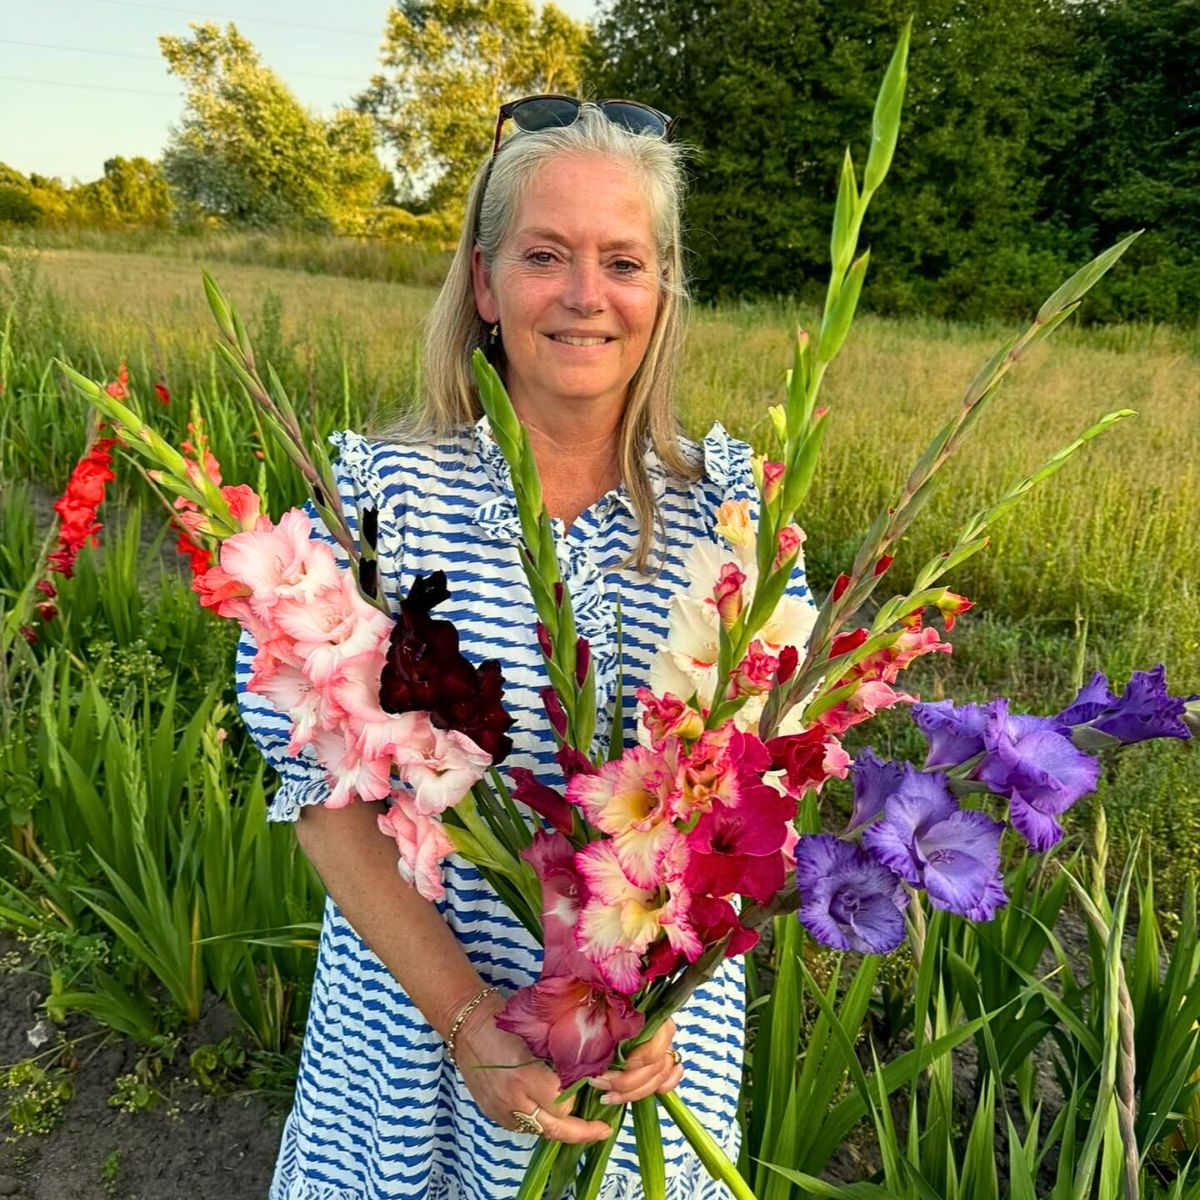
[
  {"x": 448, "y": 66},
  {"x": 248, "y": 151},
  {"x": 772, "y": 91},
  {"x": 132, "y": 191}
]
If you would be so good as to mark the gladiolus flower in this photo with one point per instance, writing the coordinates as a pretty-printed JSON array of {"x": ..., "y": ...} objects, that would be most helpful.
[
  {"x": 809, "y": 758},
  {"x": 628, "y": 799},
  {"x": 791, "y": 538},
  {"x": 848, "y": 900},
  {"x": 874, "y": 781},
  {"x": 29, "y": 634},
  {"x": 164, "y": 396},
  {"x": 668, "y": 717},
  {"x": 543, "y": 800},
  {"x": 554, "y": 711},
  {"x": 840, "y": 584},
  {"x": 929, "y": 841},
  {"x": 426, "y": 671},
  {"x": 727, "y": 595},
  {"x": 575, "y": 1025},
  {"x": 1145, "y": 710},
  {"x": 733, "y": 523},
  {"x": 119, "y": 388},
  {"x": 882, "y": 565},
  {"x": 423, "y": 843},
  {"x": 952, "y": 606},
  {"x": 755, "y": 674},
  {"x": 772, "y": 473},
  {"x": 1037, "y": 768},
  {"x": 954, "y": 733},
  {"x": 46, "y": 610},
  {"x": 77, "y": 506},
  {"x": 544, "y": 643}
]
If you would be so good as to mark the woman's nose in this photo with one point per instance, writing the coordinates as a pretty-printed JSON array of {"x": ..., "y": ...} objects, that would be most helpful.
[{"x": 584, "y": 292}]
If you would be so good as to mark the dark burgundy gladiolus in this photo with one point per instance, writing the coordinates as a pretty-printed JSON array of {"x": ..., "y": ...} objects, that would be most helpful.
[
  {"x": 574, "y": 762},
  {"x": 544, "y": 801},
  {"x": 583, "y": 656},
  {"x": 543, "y": 637},
  {"x": 555, "y": 711},
  {"x": 426, "y": 672},
  {"x": 789, "y": 659}
]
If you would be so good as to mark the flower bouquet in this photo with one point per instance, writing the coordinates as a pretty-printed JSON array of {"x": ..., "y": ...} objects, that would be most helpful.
[{"x": 658, "y": 860}]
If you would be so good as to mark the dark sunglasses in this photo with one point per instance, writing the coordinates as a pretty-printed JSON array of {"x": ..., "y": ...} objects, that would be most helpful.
[{"x": 534, "y": 113}]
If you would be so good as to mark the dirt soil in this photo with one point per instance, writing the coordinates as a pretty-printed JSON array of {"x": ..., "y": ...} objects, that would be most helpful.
[{"x": 192, "y": 1144}]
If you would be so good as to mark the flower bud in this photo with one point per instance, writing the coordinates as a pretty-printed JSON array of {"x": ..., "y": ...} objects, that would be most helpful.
[
  {"x": 840, "y": 585},
  {"x": 791, "y": 538},
  {"x": 728, "y": 594},
  {"x": 29, "y": 634},
  {"x": 789, "y": 659},
  {"x": 885, "y": 561},
  {"x": 733, "y": 523},
  {"x": 952, "y": 606},
  {"x": 772, "y": 480},
  {"x": 46, "y": 610},
  {"x": 543, "y": 637},
  {"x": 779, "y": 420},
  {"x": 47, "y": 589},
  {"x": 583, "y": 657},
  {"x": 555, "y": 711}
]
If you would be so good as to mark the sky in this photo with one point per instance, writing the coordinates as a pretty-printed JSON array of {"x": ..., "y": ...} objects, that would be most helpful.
[{"x": 83, "y": 80}]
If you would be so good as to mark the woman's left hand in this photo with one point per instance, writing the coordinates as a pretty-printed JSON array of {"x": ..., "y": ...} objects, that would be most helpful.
[{"x": 651, "y": 1067}]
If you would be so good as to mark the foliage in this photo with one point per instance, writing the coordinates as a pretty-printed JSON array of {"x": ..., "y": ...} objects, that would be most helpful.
[
  {"x": 132, "y": 191},
  {"x": 447, "y": 66},
  {"x": 248, "y": 152},
  {"x": 986, "y": 207}
]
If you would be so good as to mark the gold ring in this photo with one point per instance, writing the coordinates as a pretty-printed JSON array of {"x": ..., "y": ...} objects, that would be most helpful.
[
  {"x": 528, "y": 1122},
  {"x": 677, "y": 1057}
]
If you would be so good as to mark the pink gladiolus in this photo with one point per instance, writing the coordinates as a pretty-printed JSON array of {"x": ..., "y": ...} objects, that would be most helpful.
[
  {"x": 621, "y": 920},
  {"x": 573, "y": 1024},
  {"x": 727, "y": 595},
  {"x": 738, "y": 850},
  {"x": 872, "y": 696},
  {"x": 423, "y": 844},
  {"x": 709, "y": 773},
  {"x": 442, "y": 778},
  {"x": 352, "y": 774},
  {"x": 772, "y": 480},
  {"x": 755, "y": 674},
  {"x": 245, "y": 506},
  {"x": 668, "y": 717},
  {"x": 563, "y": 894},
  {"x": 791, "y": 538},
  {"x": 628, "y": 799}
]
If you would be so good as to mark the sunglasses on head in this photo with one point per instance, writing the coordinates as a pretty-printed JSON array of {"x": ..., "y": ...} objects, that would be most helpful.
[{"x": 535, "y": 113}]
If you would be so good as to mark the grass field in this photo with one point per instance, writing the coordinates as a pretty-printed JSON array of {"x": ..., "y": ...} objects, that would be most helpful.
[{"x": 1110, "y": 544}]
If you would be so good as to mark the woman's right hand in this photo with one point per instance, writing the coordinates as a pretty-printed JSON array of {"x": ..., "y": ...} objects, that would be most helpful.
[{"x": 504, "y": 1078}]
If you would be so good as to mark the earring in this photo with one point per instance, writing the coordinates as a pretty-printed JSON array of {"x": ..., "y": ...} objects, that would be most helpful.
[{"x": 491, "y": 341}]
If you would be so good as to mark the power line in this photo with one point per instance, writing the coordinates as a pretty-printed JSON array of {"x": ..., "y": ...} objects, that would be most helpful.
[
  {"x": 91, "y": 87},
  {"x": 156, "y": 58},
  {"x": 187, "y": 12}
]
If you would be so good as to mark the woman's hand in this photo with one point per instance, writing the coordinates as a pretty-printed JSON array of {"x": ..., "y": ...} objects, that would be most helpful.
[
  {"x": 651, "y": 1067},
  {"x": 497, "y": 1068}
]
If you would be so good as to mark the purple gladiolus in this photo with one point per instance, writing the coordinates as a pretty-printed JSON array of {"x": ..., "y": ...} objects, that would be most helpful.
[
  {"x": 1144, "y": 710},
  {"x": 1093, "y": 698},
  {"x": 874, "y": 781},
  {"x": 847, "y": 899},
  {"x": 929, "y": 841},
  {"x": 954, "y": 733},
  {"x": 1038, "y": 769}
]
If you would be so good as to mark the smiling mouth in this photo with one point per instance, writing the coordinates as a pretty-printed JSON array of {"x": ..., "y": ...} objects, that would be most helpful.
[{"x": 579, "y": 341}]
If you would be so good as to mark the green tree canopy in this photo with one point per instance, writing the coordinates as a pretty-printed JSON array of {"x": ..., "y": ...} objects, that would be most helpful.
[
  {"x": 772, "y": 92},
  {"x": 448, "y": 65},
  {"x": 132, "y": 191},
  {"x": 248, "y": 151}
]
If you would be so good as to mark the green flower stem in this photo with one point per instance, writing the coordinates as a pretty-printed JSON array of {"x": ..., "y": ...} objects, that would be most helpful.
[{"x": 715, "y": 1160}]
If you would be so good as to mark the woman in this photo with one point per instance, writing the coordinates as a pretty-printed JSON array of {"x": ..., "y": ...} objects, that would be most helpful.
[{"x": 569, "y": 273}]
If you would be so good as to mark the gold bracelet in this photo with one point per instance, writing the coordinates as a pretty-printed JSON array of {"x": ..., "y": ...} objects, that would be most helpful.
[{"x": 463, "y": 1013}]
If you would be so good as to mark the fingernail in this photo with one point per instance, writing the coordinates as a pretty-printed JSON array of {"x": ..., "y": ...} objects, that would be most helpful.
[
  {"x": 601, "y": 1084},
  {"x": 609, "y": 1098}
]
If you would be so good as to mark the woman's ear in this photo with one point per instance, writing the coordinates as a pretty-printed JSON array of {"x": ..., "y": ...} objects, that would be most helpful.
[{"x": 485, "y": 300}]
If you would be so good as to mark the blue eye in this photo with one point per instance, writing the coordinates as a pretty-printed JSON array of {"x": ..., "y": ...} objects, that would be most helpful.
[
  {"x": 539, "y": 258},
  {"x": 626, "y": 266}
]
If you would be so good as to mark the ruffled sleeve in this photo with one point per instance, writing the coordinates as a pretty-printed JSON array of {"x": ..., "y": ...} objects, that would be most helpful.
[{"x": 301, "y": 780}]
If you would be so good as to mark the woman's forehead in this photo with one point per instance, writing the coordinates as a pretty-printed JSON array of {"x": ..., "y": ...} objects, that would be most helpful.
[{"x": 592, "y": 196}]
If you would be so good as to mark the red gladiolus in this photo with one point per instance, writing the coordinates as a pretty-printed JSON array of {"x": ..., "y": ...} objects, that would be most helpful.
[
  {"x": 199, "y": 559},
  {"x": 882, "y": 565},
  {"x": 543, "y": 800},
  {"x": 809, "y": 758},
  {"x": 840, "y": 585},
  {"x": 789, "y": 660},
  {"x": 29, "y": 634},
  {"x": 47, "y": 589},
  {"x": 46, "y": 610},
  {"x": 163, "y": 394},
  {"x": 951, "y": 606},
  {"x": 76, "y": 507}
]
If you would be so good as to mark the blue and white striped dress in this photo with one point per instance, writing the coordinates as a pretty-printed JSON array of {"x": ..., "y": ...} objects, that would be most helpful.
[{"x": 379, "y": 1113}]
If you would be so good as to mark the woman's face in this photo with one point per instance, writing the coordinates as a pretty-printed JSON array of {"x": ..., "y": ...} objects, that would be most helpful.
[{"x": 575, "y": 288}]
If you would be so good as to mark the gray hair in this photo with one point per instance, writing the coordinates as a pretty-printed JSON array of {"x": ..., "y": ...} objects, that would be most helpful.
[{"x": 454, "y": 328}]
